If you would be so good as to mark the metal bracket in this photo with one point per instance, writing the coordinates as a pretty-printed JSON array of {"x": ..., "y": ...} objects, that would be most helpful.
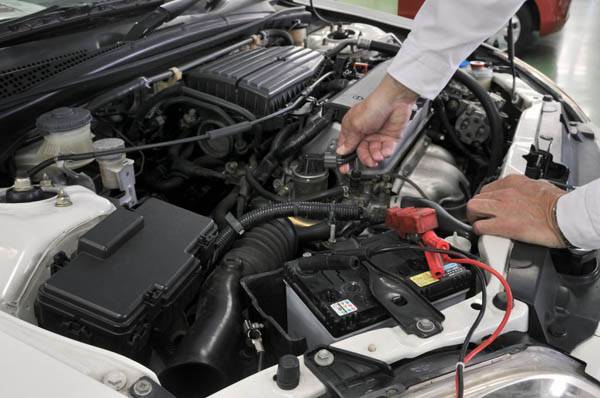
[{"x": 413, "y": 312}]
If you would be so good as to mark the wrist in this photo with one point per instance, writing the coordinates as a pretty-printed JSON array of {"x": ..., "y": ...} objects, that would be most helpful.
[
  {"x": 553, "y": 220},
  {"x": 395, "y": 93}
]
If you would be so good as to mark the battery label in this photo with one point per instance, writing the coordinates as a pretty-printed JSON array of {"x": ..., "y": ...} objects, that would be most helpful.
[
  {"x": 344, "y": 307},
  {"x": 426, "y": 279}
]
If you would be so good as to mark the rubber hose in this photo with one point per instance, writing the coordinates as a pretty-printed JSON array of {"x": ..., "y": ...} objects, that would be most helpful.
[
  {"x": 283, "y": 34},
  {"x": 218, "y": 101},
  {"x": 269, "y": 162},
  {"x": 147, "y": 105},
  {"x": 302, "y": 138},
  {"x": 225, "y": 206},
  {"x": 312, "y": 210},
  {"x": 193, "y": 170},
  {"x": 202, "y": 362},
  {"x": 317, "y": 232},
  {"x": 383, "y": 47},
  {"x": 447, "y": 223},
  {"x": 168, "y": 184}
]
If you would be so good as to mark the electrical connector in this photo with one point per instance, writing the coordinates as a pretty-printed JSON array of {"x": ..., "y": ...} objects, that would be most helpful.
[{"x": 420, "y": 222}]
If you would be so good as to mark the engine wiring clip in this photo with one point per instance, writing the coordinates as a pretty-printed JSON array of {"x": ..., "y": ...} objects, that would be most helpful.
[
  {"x": 418, "y": 224},
  {"x": 253, "y": 333}
]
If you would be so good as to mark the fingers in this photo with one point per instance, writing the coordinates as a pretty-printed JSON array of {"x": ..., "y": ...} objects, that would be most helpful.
[
  {"x": 511, "y": 181},
  {"x": 350, "y": 134},
  {"x": 364, "y": 154},
  {"x": 375, "y": 149},
  {"x": 497, "y": 226},
  {"x": 479, "y": 208}
]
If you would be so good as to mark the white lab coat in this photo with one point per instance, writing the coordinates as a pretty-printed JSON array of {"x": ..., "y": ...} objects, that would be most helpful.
[{"x": 445, "y": 32}]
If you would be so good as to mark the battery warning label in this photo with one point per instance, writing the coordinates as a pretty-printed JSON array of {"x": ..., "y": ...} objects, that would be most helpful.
[
  {"x": 344, "y": 307},
  {"x": 426, "y": 279}
]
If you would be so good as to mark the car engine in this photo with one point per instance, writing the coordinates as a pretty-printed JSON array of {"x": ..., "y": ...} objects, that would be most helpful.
[{"x": 196, "y": 224}]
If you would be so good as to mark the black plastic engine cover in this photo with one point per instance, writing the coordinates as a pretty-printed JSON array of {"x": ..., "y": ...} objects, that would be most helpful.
[
  {"x": 261, "y": 80},
  {"x": 134, "y": 273}
]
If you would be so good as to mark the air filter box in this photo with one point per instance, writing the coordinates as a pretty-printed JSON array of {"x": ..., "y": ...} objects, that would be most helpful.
[
  {"x": 261, "y": 80},
  {"x": 134, "y": 274}
]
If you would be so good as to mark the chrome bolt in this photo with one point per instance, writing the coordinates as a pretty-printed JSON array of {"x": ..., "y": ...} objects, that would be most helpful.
[
  {"x": 62, "y": 199},
  {"x": 425, "y": 325},
  {"x": 115, "y": 379},
  {"x": 324, "y": 358},
  {"x": 22, "y": 184},
  {"x": 46, "y": 182},
  {"x": 372, "y": 348},
  {"x": 142, "y": 387}
]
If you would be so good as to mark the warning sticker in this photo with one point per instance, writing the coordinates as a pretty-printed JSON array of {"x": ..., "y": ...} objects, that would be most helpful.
[
  {"x": 426, "y": 279},
  {"x": 344, "y": 307}
]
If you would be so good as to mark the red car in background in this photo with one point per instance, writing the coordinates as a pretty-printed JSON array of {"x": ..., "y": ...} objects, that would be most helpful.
[{"x": 542, "y": 16}]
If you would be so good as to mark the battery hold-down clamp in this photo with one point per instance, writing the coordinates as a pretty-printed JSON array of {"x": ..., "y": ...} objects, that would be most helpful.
[{"x": 418, "y": 224}]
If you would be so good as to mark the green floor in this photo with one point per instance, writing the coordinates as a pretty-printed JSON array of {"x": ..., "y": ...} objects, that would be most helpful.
[{"x": 571, "y": 57}]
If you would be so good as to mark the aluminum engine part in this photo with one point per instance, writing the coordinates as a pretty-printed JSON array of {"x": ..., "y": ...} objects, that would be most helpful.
[
  {"x": 472, "y": 126},
  {"x": 25, "y": 262},
  {"x": 327, "y": 38},
  {"x": 434, "y": 169}
]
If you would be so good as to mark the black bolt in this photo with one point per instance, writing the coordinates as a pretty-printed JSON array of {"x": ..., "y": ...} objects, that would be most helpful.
[
  {"x": 500, "y": 301},
  {"x": 557, "y": 330},
  {"x": 288, "y": 372}
]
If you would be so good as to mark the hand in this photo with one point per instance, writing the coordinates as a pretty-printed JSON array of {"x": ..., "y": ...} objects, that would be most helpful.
[
  {"x": 373, "y": 127},
  {"x": 518, "y": 208}
]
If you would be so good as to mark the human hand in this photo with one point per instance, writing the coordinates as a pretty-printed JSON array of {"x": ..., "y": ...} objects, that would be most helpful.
[
  {"x": 373, "y": 127},
  {"x": 518, "y": 208}
]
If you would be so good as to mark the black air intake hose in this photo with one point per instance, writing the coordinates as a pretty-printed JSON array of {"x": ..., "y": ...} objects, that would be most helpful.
[
  {"x": 202, "y": 362},
  {"x": 313, "y": 210}
]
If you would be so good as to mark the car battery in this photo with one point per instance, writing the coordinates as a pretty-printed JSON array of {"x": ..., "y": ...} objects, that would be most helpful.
[
  {"x": 327, "y": 305},
  {"x": 132, "y": 275}
]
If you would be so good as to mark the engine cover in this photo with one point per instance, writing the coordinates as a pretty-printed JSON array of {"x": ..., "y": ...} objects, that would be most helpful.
[{"x": 261, "y": 80}]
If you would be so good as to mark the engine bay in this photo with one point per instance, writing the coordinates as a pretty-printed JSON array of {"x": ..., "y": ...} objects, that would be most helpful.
[{"x": 199, "y": 224}]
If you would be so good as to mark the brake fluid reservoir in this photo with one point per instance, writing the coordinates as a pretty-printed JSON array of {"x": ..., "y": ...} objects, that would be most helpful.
[
  {"x": 66, "y": 131},
  {"x": 482, "y": 73}
]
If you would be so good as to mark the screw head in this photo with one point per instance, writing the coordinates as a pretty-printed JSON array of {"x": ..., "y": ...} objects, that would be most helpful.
[
  {"x": 45, "y": 182},
  {"x": 142, "y": 387},
  {"x": 557, "y": 330},
  {"x": 22, "y": 184},
  {"x": 425, "y": 325},
  {"x": 324, "y": 358},
  {"x": 62, "y": 199},
  {"x": 115, "y": 379},
  {"x": 372, "y": 348}
]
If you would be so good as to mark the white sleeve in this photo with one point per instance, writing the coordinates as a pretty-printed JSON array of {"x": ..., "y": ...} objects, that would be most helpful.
[
  {"x": 445, "y": 32},
  {"x": 578, "y": 216}
]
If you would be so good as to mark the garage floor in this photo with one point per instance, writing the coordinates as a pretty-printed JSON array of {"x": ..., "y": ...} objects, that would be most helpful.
[{"x": 571, "y": 57}]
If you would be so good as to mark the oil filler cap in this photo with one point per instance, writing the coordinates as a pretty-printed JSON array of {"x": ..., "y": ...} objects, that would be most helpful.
[{"x": 288, "y": 372}]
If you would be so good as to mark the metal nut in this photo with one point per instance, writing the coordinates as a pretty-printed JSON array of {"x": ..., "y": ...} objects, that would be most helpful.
[
  {"x": 324, "y": 358},
  {"x": 425, "y": 325},
  {"x": 115, "y": 379},
  {"x": 62, "y": 199},
  {"x": 22, "y": 184},
  {"x": 142, "y": 387}
]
